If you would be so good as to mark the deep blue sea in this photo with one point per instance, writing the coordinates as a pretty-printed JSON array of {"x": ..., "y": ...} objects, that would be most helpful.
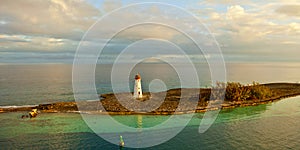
[{"x": 271, "y": 126}]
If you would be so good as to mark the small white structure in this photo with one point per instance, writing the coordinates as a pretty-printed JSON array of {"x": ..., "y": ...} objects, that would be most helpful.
[{"x": 138, "y": 87}]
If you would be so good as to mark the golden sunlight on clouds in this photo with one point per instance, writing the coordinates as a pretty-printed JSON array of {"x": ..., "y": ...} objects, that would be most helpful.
[
  {"x": 19, "y": 42},
  {"x": 261, "y": 24},
  {"x": 109, "y": 5},
  {"x": 290, "y": 10},
  {"x": 149, "y": 31},
  {"x": 241, "y": 26},
  {"x": 43, "y": 17}
]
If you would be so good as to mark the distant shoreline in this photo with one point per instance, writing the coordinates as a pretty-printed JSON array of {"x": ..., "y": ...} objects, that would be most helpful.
[{"x": 112, "y": 106}]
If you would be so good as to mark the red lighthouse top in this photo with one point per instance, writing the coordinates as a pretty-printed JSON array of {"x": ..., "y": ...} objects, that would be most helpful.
[{"x": 137, "y": 76}]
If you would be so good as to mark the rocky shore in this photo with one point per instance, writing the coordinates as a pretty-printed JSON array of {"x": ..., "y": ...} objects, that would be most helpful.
[{"x": 162, "y": 103}]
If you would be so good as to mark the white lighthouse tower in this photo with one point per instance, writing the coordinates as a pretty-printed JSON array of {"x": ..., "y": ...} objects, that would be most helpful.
[{"x": 137, "y": 87}]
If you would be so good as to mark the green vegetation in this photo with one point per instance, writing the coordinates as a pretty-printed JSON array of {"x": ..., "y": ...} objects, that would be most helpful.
[{"x": 237, "y": 92}]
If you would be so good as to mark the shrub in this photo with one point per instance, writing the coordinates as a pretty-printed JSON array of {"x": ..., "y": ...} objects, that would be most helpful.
[{"x": 237, "y": 92}]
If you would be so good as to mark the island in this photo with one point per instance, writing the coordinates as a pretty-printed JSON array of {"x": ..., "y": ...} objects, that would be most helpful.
[{"x": 175, "y": 101}]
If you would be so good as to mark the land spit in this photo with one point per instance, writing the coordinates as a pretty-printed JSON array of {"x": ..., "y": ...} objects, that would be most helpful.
[{"x": 173, "y": 101}]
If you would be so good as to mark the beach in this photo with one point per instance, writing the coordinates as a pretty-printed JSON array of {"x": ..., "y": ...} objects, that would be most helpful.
[{"x": 109, "y": 103}]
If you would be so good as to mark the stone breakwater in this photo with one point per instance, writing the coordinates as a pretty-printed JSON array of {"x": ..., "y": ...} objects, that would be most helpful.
[{"x": 162, "y": 103}]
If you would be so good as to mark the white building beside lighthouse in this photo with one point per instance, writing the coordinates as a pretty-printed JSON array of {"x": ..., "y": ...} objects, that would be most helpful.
[{"x": 137, "y": 87}]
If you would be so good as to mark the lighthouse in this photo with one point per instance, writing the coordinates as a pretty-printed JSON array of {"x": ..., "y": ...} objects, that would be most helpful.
[{"x": 137, "y": 87}]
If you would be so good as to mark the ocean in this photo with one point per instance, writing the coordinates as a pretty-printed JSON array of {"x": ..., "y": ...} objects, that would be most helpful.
[{"x": 270, "y": 126}]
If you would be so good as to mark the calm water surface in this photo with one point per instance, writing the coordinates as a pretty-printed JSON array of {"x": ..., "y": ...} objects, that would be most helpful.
[
  {"x": 271, "y": 126},
  {"x": 35, "y": 84}
]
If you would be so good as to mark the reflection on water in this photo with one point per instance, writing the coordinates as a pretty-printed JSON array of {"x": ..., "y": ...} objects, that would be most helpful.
[
  {"x": 139, "y": 121},
  {"x": 271, "y": 126}
]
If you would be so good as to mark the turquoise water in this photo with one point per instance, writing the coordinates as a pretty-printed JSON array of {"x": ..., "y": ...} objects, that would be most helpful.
[{"x": 270, "y": 126}]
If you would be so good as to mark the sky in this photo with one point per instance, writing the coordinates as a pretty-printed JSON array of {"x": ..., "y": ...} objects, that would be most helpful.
[{"x": 49, "y": 31}]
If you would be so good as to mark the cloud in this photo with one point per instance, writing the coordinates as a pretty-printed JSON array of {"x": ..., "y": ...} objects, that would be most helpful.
[
  {"x": 289, "y": 42},
  {"x": 44, "y": 25},
  {"x": 149, "y": 31},
  {"x": 22, "y": 43},
  {"x": 225, "y": 2},
  {"x": 243, "y": 27},
  {"x": 110, "y": 5},
  {"x": 235, "y": 12},
  {"x": 54, "y": 18},
  {"x": 254, "y": 29},
  {"x": 289, "y": 10}
]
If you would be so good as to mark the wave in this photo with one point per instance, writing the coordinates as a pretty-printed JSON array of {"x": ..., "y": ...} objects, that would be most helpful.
[{"x": 22, "y": 106}]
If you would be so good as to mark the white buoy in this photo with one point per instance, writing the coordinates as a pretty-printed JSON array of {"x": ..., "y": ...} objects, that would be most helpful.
[
  {"x": 122, "y": 143},
  {"x": 138, "y": 87}
]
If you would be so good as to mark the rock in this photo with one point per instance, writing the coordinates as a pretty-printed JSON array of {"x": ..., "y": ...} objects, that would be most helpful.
[{"x": 33, "y": 113}]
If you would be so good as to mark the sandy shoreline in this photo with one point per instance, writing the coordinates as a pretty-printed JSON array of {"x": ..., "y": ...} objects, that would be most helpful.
[{"x": 111, "y": 105}]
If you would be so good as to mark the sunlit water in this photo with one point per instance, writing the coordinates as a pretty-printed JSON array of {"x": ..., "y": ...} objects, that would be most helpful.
[
  {"x": 35, "y": 84},
  {"x": 271, "y": 126}
]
